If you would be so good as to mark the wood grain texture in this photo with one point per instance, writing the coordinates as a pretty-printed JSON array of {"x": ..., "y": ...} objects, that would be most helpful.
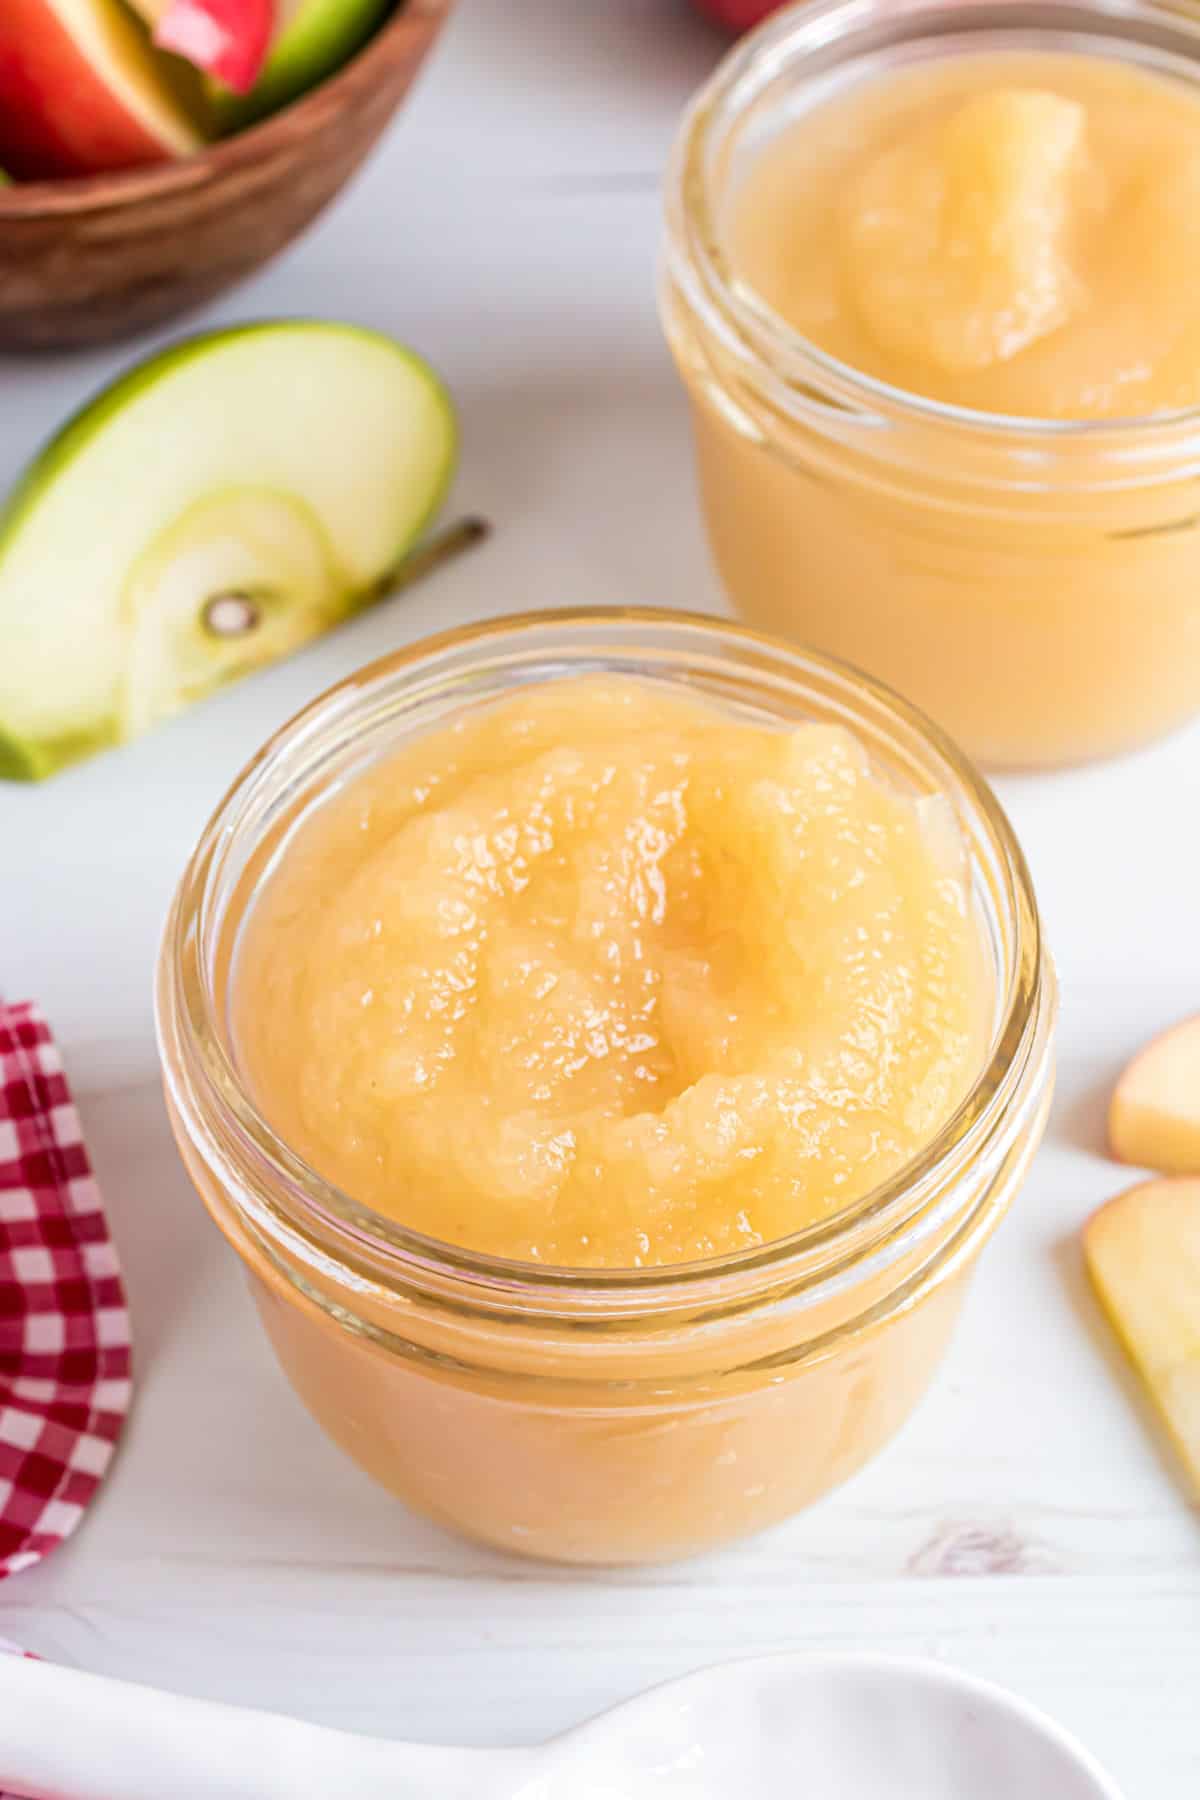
[{"x": 85, "y": 262}]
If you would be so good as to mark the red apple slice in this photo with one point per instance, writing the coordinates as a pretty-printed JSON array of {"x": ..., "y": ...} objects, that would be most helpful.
[
  {"x": 1154, "y": 1115},
  {"x": 228, "y": 39},
  {"x": 81, "y": 92}
]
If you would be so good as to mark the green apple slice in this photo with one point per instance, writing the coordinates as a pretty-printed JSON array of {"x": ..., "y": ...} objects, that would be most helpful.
[
  {"x": 311, "y": 39},
  {"x": 210, "y": 512}
]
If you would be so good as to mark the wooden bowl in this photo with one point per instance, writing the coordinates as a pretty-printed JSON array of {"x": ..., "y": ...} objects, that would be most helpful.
[{"x": 83, "y": 262}]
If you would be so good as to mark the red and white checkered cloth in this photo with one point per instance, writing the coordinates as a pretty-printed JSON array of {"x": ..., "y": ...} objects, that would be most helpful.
[{"x": 64, "y": 1325}]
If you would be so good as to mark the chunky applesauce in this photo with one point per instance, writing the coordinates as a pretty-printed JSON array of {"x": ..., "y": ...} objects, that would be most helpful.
[
  {"x": 607, "y": 942},
  {"x": 930, "y": 283},
  {"x": 1009, "y": 233},
  {"x": 603, "y": 977}
]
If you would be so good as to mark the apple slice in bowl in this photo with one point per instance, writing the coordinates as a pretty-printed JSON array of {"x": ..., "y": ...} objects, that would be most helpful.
[
  {"x": 81, "y": 91},
  {"x": 310, "y": 39},
  {"x": 259, "y": 55},
  {"x": 228, "y": 39},
  {"x": 214, "y": 510}
]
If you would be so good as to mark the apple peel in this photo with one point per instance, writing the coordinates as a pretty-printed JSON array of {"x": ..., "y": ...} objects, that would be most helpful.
[
  {"x": 82, "y": 93},
  {"x": 1154, "y": 1114},
  {"x": 1143, "y": 1255},
  {"x": 737, "y": 15},
  {"x": 228, "y": 39}
]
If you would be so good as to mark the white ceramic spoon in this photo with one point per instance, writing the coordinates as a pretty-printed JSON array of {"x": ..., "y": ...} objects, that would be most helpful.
[{"x": 775, "y": 1728}]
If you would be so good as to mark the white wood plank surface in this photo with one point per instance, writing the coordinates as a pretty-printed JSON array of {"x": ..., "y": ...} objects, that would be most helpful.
[{"x": 1027, "y": 1525}]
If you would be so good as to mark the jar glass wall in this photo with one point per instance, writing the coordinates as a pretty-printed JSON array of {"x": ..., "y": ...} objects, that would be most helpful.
[
  {"x": 576, "y": 1414},
  {"x": 1032, "y": 585}
]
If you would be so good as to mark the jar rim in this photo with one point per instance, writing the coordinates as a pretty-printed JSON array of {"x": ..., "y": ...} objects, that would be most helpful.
[
  {"x": 222, "y": 1119},
  {"x": 756, "y": 334}
]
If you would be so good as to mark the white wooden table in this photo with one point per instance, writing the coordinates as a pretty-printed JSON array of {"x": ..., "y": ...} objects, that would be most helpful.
[{"x": 1026, "y": 1525}]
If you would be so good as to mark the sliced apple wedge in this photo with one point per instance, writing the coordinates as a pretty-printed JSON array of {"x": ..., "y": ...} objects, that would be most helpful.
[
  {"x": 1143, "y": 1254},
  {"x": 81, "y": 91},
  {"x": 310, "y": 40},
  {"x": 228, "y": 39},
  {"x": 1154, "y": 1114},
  {"x": 209, "y": 513}
]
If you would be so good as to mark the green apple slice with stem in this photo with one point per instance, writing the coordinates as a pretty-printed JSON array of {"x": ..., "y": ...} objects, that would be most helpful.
[
  {"x": 311, "y": 39},
  {"x": 213, "y": 510}
]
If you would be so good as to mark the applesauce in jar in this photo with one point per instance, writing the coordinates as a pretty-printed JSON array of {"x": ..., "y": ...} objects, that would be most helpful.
[
  {"x": 608, "y": 1041},
  {"x": 929, "y": 282},
  {"x": 602, "y": 977}
]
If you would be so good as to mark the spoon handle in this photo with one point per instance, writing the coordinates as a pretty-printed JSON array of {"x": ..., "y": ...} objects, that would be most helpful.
[{"x": 70, "y": 1736}]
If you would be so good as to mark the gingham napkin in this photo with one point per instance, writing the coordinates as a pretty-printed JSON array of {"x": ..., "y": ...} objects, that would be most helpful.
[{"x": 64, "y": 1325}]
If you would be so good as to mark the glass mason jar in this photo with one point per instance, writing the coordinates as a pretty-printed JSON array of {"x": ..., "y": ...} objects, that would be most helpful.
[
  {"x": 581, "y": 1415},
  {"x": 1034, "y": 586}
]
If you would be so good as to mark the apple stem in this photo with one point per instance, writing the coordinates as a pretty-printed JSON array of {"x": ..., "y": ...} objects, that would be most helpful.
[
  {"x": 235, "y": 614},
  {"x": 464, "y": 534}
]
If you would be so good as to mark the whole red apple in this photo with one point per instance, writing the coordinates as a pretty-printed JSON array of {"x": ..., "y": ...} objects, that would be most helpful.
[{"x": 737, "y": 15}]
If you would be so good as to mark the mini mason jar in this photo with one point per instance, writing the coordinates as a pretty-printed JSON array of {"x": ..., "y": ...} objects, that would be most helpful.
[
  {"x": 588, "y": 1416},
  {"x": 1034, "y": 586}
]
